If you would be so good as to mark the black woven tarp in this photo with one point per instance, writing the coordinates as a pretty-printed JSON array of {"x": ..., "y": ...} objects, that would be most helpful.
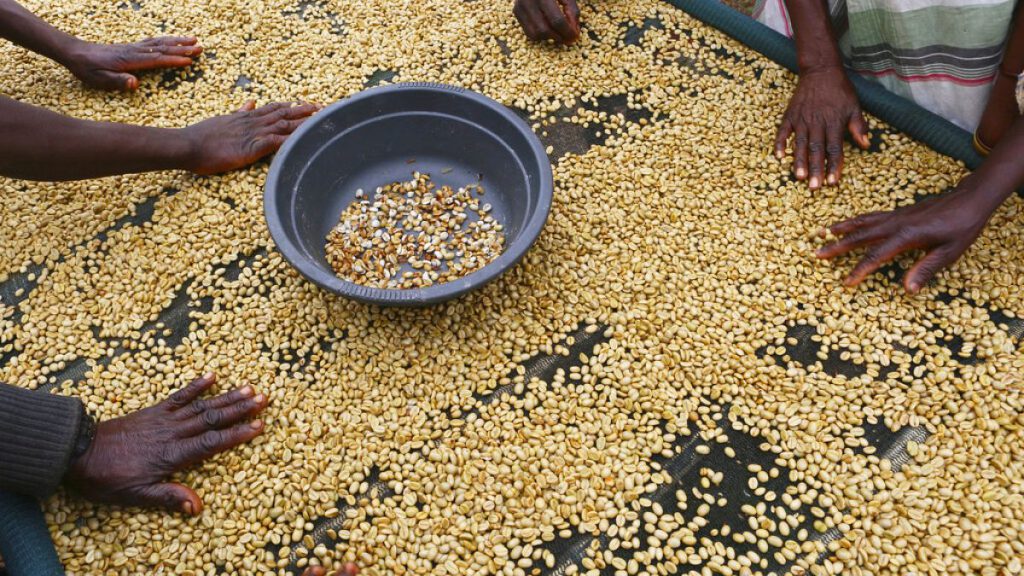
[{"x": 684, "y": 465}]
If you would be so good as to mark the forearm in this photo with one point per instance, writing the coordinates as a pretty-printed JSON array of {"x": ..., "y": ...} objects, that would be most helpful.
[
  {"x": 816, "y": 44},
  {"x": 29, "y": 31},
  {"x": 1002, "y": 173},
  {"x": 1013, "y": 54},
  {"x": 38, "y": 144},
  {"x": 37, "y": 436}
]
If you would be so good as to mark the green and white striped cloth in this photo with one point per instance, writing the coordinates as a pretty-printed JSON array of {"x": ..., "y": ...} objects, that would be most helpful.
[
  {"x": 1020, "y": 93},
  {"x": 942, "y": 54}
]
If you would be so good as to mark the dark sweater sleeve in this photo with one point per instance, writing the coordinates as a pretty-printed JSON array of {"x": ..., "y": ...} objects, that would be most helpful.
[{"x": 37, "y": 434}]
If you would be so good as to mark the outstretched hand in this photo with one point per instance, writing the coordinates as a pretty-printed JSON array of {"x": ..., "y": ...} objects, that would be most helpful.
[
  {"x": 110, "y": 66},
  {"x": 348, "y": 569},
  {"x": 822, "y": 109},
  {"x": 232, "y": 141},
  {"x": 131, "y": 457},
  {"x": 549, "y": 19},
  {"x": 943, "y": 227}
]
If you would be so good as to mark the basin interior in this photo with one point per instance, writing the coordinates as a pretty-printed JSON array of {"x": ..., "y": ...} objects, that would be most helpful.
[{"x": 390, "y": 149}]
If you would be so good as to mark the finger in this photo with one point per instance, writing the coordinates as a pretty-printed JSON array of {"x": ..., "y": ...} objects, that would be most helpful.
[
  {"x": 283, "y": 127},
  {"x": 533, "y": 22},
  {"x": 557, "y": 20},
  {"x": 856, "y": 239},
  {"x": 782, "y": 138},
  {"x": 170, "y": 41},
  {"x": 846, "y": 226},
  {"x": 519, "y": 12},
  {"x": 858, "y": 128},
  {"x": 248, "y": 106},
  {"x": 800, "y": 152},
  {"x": 572, "y": 10},
  {"x": 220, "y": 418},
  {"x": 171, "y": 496},
  {"x": 288, "y": 112},
  {"x": 876, "y": 257},
  {"x": 303, "y": 110},
  {"x": 231, "y": 397},
  {"x": 199, "y": 448},
  {"x": 834, "y": 154},
  {"x": 186, "y": 395},
  {"x": 114, "y": 81},
  {"x": 314, "y": 571},
  {"x": 924, "y": 271},
  {"x": 186, "y": 51},
  {"x": 816, "y": 156},
  {"x": 268, "y": 144},
  {"x": 349, "y": 569},
  {"x": 273, "y": 107},
  {"x": 140, "y": 61}
]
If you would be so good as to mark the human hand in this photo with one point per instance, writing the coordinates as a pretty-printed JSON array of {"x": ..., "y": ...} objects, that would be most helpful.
[
  {"x": 131, "y": 457},
  {"x": 110, "y": 66},
  {"x": 349, "y": 569},
  {"x": 943, "y": 226},
  {"x": 549, "y": 19},
  {"x": 237, "y": 140},
  {"x": 823, "y": 107}
]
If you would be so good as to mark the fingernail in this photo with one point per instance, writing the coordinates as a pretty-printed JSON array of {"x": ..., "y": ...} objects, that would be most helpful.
[
  {"x": 246, "y": 391},
  {"x": 914, "y": 287},
  {"x": 256, "y": 424},
  {"x": 832, "y": 179},
  {"x": 801, "y": 173},
  {"x": 260, "y": 398},
  {"x": 815, "y": 181},
  {"x": 189, "y": 509},
  {"x": 209, "y": 376},
  {"x": 778, "y": 154}
]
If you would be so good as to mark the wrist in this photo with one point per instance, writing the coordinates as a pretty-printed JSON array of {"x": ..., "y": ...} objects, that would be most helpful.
[
  {"x": 185, "y": 148},
  {"x": 985, "y": 197},
  {"x": 66, "y": 49},
  {"x": 822, "y": 66},
  {"x": 819, "y": 59},
  {"x": 83, "y": 443}
]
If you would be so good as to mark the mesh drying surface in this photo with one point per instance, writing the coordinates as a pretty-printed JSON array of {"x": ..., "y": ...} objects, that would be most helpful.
[{"x": 669, "y": 383}]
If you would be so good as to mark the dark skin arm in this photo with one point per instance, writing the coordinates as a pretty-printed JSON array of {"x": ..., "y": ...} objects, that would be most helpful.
[
  {"x": 824, "y": 106},
  {"x": 131, "y": 457},
  {"x": 1002, "y": 105},
  {"x": 557, "y": 20},
  {"x": 943, "y": 227},
  {"x": 103, "y": 66},
  {"x": 32, "y": 137}
]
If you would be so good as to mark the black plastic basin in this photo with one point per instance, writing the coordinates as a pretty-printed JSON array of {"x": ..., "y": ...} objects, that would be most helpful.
[{"x": 385, "y": 134}]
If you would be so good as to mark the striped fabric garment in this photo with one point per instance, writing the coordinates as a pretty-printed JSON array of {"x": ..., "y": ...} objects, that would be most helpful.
[
  {"x": 942, "y": 54},
  {"x": 1020, "y": 93}
]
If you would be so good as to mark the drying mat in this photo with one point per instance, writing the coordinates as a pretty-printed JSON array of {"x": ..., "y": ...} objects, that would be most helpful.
[{"x": 669, "y": 384}]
